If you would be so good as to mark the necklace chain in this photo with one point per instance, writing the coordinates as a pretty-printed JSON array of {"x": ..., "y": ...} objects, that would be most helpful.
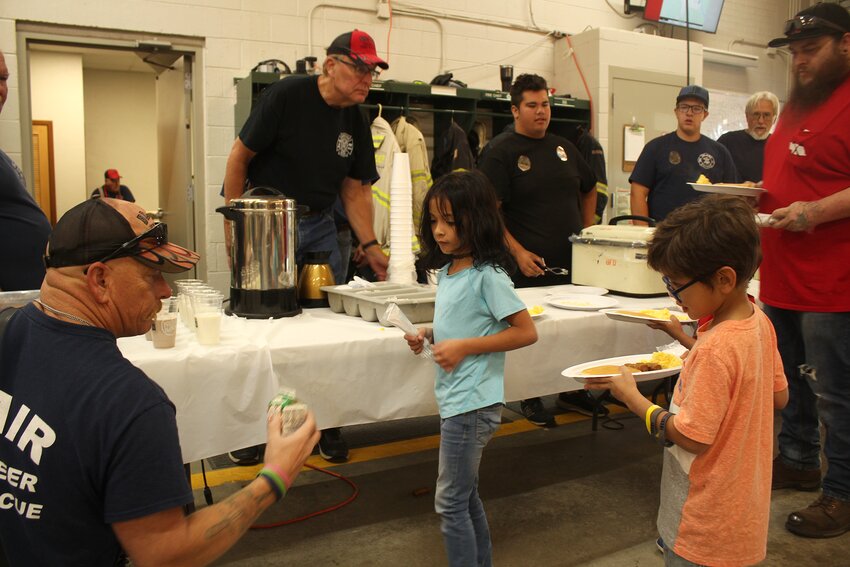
[{"x": 62, "y": 313}]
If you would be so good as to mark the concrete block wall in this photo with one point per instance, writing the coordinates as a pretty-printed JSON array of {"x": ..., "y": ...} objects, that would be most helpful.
[{"x": 238, "y": 34}]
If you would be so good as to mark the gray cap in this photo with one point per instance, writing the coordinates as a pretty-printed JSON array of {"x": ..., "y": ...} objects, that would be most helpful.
[{"x": 693, "y": 91}]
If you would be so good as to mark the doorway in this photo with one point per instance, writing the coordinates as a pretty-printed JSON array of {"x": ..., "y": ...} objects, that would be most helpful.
[
  {"x": 118, "y": 103},
  {"x": 44, "y": 182},
  {"x": 645, "y": 99}
]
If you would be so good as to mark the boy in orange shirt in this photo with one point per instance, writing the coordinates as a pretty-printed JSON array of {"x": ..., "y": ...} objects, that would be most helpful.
[{"x": 715, "y": 485}]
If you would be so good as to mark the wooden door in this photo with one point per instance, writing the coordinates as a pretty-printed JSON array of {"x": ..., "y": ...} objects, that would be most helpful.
[{"x": 44, "y": 181}]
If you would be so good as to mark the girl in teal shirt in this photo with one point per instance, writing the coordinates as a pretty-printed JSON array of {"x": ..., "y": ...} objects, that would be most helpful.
[{"x": 477, "y": 318}]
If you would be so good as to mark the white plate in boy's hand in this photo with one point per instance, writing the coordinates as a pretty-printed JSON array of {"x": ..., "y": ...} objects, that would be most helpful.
[
  {"x": 646, "y": 315},
  {"x": 607, "y": 367}
]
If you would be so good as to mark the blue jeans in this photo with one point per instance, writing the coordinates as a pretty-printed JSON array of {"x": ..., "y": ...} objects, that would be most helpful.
[
  {"x": 317, "y": 233},
  {"x": 815, "y": 349},
  {"x": 464, "y": 523}
]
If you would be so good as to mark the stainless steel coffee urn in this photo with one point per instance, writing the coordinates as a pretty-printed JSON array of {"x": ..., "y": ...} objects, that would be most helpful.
[{"x": 263, "y": 273}]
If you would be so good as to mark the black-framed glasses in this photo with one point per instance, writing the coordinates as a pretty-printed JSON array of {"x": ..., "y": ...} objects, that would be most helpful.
[
  {"x": 799, "y": 24},
  {"x": 675, "y": 291},
  {"x": 158, "y": 232},
  {"x": 695, "y": 108},
  {"x": 360, "y": 69}
]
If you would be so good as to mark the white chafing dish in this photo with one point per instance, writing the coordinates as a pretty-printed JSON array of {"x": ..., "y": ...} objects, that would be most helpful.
[{"x": 614, "y": 256}]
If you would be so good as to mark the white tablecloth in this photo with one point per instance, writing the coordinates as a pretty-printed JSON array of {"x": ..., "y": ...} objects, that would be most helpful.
[{"x": 350, "y": 371}]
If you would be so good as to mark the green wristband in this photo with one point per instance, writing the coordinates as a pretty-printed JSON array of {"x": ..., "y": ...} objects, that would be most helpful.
[{"x": 275, "y": 482}]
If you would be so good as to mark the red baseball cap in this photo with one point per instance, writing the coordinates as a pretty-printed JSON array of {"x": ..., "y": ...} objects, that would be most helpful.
[
  {"x": 111, "y": 174},
  {"x": 359, "y": 46}
]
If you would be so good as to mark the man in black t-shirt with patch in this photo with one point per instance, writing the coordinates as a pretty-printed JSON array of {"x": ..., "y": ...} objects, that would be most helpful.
[
  {"x": 747, "y": 146},
  {"x": 668, "y": 163},
  {"x": 546, "y": 191},
  {"x": 306, "y": 138}
]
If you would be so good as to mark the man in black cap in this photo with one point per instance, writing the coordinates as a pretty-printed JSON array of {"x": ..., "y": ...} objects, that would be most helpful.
[
  {"x": 668, "y": 163},
  {"x": 113, "y": 188},
  {"x": 805, "y": 275},
  {"x": 90, "y": 454},
  {"x": 307, "y": 138},
  {"x": 24, "y": 228}
]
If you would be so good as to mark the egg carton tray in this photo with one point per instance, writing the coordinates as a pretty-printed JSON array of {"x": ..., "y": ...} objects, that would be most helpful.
[{"x": 415, "y": 301}]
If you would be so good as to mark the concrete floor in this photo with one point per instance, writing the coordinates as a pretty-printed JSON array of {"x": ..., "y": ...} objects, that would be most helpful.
[{"x": 559, "y": 497}]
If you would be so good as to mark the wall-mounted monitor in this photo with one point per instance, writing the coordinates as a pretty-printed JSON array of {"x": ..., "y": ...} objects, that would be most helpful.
[{"x": 701, "y": 15}]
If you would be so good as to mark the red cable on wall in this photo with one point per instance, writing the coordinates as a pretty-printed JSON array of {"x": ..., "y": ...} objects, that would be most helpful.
[
  {"x": 587, "y": 90},
  {"x": 389, "y": 31}
]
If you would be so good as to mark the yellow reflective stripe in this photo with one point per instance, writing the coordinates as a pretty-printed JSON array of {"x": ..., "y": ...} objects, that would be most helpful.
[
  {"x": 380, "y": 159},
  {"x": 602, "y": 188},
  {"x": 380, "y": 197}
]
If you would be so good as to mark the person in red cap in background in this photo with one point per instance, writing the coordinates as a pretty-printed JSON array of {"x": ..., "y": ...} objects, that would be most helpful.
[
  {"x": 112, "y": 187},
  {"x": 92, "y": 461},
  {"x": 307, "y": 138}
]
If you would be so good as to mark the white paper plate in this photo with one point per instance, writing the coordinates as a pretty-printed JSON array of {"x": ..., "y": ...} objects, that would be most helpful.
[
  {"x": 634, "y": 317},
  {"x": 581, "y": 301},
  {"x": 740, "y": 190},
  {"x": 576, "y": 371},
  {"x": 536, "y": 315},
  {"x": 580, "y": 289}
]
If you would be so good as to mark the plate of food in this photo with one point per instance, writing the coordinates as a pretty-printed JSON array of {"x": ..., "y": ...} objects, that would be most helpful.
[
  {"x": 581, "y": 301},
  {"x": 728, "y": 189},
  {"x": 644, "y": 366},
  {"x": 536, "y": 311},
  {"x": 646, "y": 315}
]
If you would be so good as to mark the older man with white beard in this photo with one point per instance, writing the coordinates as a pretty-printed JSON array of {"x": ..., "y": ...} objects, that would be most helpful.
[
  {"x": 805, "y": 275},
  {"x": 747, "y": 146}
]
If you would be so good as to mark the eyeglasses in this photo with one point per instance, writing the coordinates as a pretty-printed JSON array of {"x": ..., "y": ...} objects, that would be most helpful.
[
  {"x": 801, "y": 23},
  {"x": 360, "y": 69},
  {"x": 761, "y": 115},
  {"x": 674, "y": 292},
  {"x": 695, "y": 108},
  {"x": 159, "y": 233}
]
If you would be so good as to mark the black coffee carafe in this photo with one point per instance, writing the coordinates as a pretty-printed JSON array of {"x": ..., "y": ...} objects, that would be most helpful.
[{"x": 315, "y": 273}]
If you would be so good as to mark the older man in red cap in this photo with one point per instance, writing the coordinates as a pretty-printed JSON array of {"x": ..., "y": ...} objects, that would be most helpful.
[
  {"x": 90, "y": 456},
  {"x": 112, "y": 187},
  {"x": 805, "y": 276},
  {"x": 306, "y": 138}
]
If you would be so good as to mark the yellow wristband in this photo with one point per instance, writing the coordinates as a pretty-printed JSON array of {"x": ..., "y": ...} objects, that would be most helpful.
[{"x": 649, "y": 411}]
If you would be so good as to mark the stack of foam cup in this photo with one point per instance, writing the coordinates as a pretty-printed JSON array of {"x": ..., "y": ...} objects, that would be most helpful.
[{"x": 401, "y": 269}]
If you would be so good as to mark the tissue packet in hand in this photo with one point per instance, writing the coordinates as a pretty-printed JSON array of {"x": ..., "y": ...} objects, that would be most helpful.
[{"x": 293, "y": 412}]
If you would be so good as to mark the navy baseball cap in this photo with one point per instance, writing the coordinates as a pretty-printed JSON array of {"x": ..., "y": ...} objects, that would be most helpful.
[
  {"x": 820, "y": 19},
  {"x": 359, "y": 46},
  {"x": 693, "y": 91}
]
